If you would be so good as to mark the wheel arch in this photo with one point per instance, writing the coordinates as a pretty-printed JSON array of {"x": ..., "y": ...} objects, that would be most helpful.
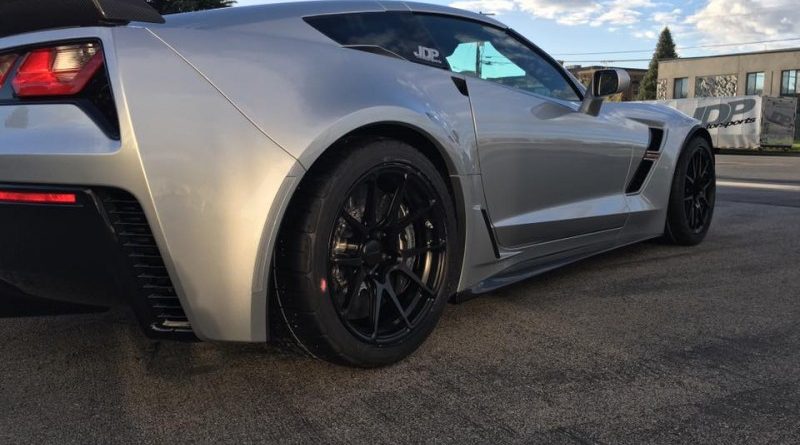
[
  {"x": 698, "y": 131},
  {"x": 419, "y": 138}
]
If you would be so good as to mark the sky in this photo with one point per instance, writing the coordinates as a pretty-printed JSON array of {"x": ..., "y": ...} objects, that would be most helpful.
[{"x": 626, "y": 31}]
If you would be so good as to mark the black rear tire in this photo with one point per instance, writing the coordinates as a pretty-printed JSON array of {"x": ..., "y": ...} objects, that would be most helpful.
[
  {"x": 364, "y": 285},
  {"x": 693, "y": 195}
]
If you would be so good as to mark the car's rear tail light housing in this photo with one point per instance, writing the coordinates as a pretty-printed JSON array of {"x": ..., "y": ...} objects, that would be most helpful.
[
  {"x": 65, "y": 72},
  {"x": 62, "y": 70},
  {"x": 6, "y": 63}
]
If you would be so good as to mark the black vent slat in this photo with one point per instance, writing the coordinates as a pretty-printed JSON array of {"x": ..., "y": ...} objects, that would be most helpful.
[
  {"x": 160, "y": 297},
  {"x": 156, "y": 287},
  {"x": 651, "y": 155},
  {"x": 147, "y": 265},
  {"x": 656, "y": 139},
  {"x": 136, "y": 234},
  {"x": 641, "y": 175}
]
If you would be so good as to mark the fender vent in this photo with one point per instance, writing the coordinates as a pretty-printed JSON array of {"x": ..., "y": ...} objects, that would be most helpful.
[
  {"x": 656, "y": 140},
  {"x": 157, "y": 303},
  {"x": 651, "y": 155},
  {"x": 641, "y": 175}
]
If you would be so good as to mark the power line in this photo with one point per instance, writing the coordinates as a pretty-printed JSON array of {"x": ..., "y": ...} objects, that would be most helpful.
[
  {"x": 606, "y": 62},
  {"x": 719, "y": 45}
]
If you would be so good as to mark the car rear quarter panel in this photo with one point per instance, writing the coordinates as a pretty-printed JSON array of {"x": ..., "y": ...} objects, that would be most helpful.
[
  {"x": 212, "y": 178},
  {"x": 305, "y": 94}
]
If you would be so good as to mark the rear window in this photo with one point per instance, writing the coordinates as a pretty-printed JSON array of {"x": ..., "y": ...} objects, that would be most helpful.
[{"x": 399, "y": 33}]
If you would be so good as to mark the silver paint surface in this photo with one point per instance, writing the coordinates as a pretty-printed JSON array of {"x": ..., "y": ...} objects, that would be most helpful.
[{"x": 223, "y": 112}]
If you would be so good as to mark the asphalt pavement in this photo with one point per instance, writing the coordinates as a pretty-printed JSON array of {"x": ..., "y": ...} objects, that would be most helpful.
[{"x": 648, "y": 344}]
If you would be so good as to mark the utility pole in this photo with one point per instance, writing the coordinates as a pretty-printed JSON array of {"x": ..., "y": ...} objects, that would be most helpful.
[{"x": 479, "y": 60}]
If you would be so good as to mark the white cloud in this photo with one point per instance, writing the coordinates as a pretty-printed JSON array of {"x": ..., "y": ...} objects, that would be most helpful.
[
  {"x": 674, "y": 19},
  {"x": 734, "y": 21},
  {"x": 488, "y": 6},
  {"x": 567, "y": 12},
  {"x": 667, "y": 18},
  {"x": 622, "y": 12},
  {"x": 647, "y": 34}
]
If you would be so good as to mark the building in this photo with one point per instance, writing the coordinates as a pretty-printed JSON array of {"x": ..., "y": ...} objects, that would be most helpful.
[
  {"x": 767, "y": 73},
  {"x": 586, "y": 73}
]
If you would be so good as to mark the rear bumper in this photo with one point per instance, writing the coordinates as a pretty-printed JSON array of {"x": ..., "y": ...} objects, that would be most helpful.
[
  {"x": 98, "y": 251},
  {"x": 211, "y": 184}
]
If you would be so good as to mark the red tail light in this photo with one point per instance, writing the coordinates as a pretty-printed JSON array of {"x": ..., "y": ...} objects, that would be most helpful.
[
  {"x": 6, "y": 63},
  {"x": 57, "y": 71},
  {"x": 38, "y": 198}
]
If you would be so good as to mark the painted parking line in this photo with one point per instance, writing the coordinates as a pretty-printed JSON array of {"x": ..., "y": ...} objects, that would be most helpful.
[{"x": 759, "y": 186}]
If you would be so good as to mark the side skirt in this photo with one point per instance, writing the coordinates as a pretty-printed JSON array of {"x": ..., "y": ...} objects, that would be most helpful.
[{"x": 535, "y": 267}]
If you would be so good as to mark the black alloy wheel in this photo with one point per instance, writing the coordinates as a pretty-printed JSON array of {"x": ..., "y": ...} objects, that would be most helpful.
[
  {"x": 693, "y": 195},
  {"x": 367, "y": 256},
  {"x": 698, "y": 190},
  {"x": 388, "y": 254}
]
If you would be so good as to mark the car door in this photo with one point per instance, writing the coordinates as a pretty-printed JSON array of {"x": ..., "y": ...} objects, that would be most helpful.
[{"x": 549, "y": 171}]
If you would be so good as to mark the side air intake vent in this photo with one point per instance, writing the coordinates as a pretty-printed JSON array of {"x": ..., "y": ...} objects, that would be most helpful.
[
  {"x": 656, "y": 139},
  {"x": 640, "y": 176},
  {"x": 652, "y": 155},
  {"x": 156, "y": 299}
]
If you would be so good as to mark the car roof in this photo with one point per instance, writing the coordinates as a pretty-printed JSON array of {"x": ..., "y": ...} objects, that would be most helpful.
[{"x": 250, "y": 14}]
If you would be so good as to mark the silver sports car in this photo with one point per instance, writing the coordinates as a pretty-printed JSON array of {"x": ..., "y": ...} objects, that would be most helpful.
[{"x": 330, "y": 173}]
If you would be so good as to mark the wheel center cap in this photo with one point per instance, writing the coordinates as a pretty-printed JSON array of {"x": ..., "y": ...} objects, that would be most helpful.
[{"x": 372, "y": 252}]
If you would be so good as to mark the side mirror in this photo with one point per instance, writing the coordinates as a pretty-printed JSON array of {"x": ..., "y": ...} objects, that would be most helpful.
[{"x": 605, "y": 83}]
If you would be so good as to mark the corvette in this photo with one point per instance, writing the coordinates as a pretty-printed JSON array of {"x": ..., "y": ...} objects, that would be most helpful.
[{"x": 330, "y": 173}]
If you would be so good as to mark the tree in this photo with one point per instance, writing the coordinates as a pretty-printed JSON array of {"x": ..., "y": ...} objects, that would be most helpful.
[
  {"x": 664, "y": 50},
  {"x": 174, "y": 6}
]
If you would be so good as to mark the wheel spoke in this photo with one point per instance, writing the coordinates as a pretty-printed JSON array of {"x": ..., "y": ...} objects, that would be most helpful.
[
  {"x": 403, "y": 269},
  {"x": 700, "y": 217},
  {"x": 707, "y": 185},
  {"x": 414, "y": 216},
  {"x": 393, "y": 215},
  {"x": 697, "y": 220},
  {"x": 355, "y": 287},
  {"x": 706, "y": 168},
  {"x": 393, "y": 296},
  {"x": 355, "y": 224},
  {"x": 371, "y": 204},
  {"x": 376, "y": 310},
  {"x": 697, "y": 217},
  {"x": 698, "y": 161}
]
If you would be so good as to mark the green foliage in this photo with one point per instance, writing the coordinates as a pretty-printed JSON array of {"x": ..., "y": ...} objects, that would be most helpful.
[
  {"x": 664, "y": 50},
  {"x": 175, "y": 6}
]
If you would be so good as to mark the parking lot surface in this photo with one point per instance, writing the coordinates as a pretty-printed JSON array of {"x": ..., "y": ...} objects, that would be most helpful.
[{"x": 648, "y": 344}]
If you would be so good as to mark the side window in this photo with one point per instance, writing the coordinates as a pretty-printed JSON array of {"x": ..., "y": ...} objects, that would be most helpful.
[
  {"x": 397, "y": 32},
  {"x": 492, "y": 54}
]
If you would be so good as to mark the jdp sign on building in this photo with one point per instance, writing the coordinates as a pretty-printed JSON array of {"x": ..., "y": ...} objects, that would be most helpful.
[{"x": 748, "y": 122}]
